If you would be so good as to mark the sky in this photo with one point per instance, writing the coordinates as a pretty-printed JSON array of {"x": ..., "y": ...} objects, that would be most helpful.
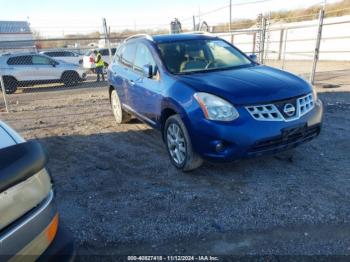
[{"x": 73, "y": 16}]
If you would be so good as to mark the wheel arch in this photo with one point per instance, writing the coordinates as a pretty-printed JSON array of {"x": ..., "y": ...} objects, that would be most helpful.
[
  {"x": 110, "y": 89},
  {"x": 66, "y": 72},
  {"x": 169, "y": 108},
  {"x": 10, "y": 76}
]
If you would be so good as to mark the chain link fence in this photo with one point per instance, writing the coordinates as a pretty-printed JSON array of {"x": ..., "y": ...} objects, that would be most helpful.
[
  {"x": 52, "y": 65},
  {"x": 307, "y": 45}
]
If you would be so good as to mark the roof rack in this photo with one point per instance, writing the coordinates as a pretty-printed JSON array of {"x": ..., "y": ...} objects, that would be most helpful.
[
  {"x": 139, "y": 36},
  {"x": 198, "y": 33}
]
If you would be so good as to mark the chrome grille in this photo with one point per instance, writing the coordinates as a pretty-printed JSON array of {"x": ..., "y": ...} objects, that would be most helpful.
[
  {"x": 305, "y": 104},
  {"x": 265, "y": 113},
  {"x": 271, "y": 112}
]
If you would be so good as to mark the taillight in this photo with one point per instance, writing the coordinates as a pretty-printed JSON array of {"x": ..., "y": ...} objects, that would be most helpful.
[{"x": 92, "y": 60}]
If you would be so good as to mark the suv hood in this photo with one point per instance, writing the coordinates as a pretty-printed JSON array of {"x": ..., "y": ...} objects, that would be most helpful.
[{"x": 249, "y": 85}]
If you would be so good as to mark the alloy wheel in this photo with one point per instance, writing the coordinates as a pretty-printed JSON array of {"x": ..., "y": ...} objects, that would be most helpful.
[
  {"x": 176, "y": 144},
  {"x": 116, "y": 107}
]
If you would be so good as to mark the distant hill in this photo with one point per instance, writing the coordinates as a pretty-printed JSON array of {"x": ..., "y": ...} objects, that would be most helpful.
[{"x": 296, "y": 15}]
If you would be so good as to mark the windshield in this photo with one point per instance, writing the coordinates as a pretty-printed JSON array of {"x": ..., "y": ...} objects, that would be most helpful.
[{"x": 200, "y": 55}]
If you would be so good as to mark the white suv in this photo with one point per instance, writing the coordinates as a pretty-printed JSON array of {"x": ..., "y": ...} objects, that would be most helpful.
[
  {"x": 23, "y": 69},
  {"x": 89, "y": 57},
  {"x": 65, "y": 56}
]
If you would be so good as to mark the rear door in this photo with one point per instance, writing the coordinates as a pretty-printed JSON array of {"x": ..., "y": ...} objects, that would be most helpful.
[
  {"x": 21, "y": 67},
  {"x": 145, "y": 93},
  {"x": 121, "y": 72}
]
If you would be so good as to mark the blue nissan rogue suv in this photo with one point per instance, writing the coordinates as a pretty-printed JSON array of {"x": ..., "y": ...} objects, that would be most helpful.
[{"x": 210, "y": 100}]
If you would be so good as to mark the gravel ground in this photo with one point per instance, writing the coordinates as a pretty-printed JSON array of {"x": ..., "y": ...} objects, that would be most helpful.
[{"x": 119, "y": 194}]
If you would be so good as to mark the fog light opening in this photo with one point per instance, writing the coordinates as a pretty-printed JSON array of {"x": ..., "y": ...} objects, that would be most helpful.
[{"x": 220, "y": 147}]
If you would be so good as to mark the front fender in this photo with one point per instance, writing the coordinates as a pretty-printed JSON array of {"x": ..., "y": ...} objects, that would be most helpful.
[{"x": 180, "y": 99}]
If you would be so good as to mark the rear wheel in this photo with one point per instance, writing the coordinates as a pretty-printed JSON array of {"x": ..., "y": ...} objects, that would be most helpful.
[
  {"x": 70, "y": 78},
  {"x": 10, "y": 84},
  {"x": 119, "y": 114},
  {"x": 179, "y": 145}
]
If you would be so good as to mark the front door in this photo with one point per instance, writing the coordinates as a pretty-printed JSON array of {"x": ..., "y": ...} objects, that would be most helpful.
[
  {"x": 145, "y": 93},
  {"x": 45, "y": 69}
]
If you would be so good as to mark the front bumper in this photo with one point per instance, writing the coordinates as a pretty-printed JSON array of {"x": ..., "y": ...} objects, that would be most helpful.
[
  {"x": 246, "y": 137},
  {"x": 33, "y": 236},
  {"x": 82, "y": 75}
]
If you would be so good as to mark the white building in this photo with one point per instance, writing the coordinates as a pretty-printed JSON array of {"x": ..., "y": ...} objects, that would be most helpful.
[{"x": 15, "y": 35}]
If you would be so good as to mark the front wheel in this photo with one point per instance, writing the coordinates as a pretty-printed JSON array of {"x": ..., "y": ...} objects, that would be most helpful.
[
  {"x": 119, "y": 114},
  {"x": 70, "y": 79},
  {"x": 179, "y": 145}
]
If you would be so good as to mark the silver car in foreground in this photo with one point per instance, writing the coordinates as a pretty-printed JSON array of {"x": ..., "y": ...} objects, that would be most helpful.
[
  {"x": 29, "y": 223},
  {"x": 25, "y": 69}
]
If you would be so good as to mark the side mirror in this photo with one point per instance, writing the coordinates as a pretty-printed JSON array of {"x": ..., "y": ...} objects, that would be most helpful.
[
  {"x": 53, "y": 63},
  {"x": 148, "y": 71},
  {"x": 253, "y": 57}
]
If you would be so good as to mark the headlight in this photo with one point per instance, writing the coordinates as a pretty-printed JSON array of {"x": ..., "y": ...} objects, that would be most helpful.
[{"x": 216, "y": 108}]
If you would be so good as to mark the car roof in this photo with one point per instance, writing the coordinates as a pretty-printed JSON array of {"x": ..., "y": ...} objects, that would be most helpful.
[
  {"x": 20, "y": 54},
  {"x": 181, "y": 37}
]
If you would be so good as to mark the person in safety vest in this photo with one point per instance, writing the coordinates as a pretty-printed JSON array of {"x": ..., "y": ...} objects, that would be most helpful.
[{"x": 99, "y": 65}]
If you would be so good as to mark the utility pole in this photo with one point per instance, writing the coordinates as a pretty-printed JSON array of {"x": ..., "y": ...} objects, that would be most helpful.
[
  {"x": 261, "y": 38},
  {"x": 230, "y": 22},
  {"x": 199, "y": 17},
  {"x": 318, "y": 44},
  {"x": 194, "y": 23},
  {"x": 107, "y": 38}
]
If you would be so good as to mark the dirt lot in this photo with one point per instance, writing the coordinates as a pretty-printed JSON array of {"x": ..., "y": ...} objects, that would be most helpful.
[{"x": 119, "y": 194}]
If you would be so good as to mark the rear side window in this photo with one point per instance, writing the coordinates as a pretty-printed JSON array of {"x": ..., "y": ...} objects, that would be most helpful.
[
  {"x": 104, "y": 52},
  {"x": 128, "y": 55},
  {"x": 118, "y": 54},
  {"x": 20, "y": 60},
  {"x": 57, "y": 54},
  {"x": 50, "y": 53}
]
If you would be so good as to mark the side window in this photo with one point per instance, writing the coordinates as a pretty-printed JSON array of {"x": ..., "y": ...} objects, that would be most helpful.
[
  {"x": 104, "y": 52},
  {"x": 128, "y": 55},
  {"x": 118, "y": 54},
  {"x": 143, "y": 57},
  {"x": 41, "y": 60},
  {"x": 20, "y": 60}
]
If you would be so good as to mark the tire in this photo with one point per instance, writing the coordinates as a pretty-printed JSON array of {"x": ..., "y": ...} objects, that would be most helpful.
[
  {"x": 179, "y": 146},
  {"x": 70, "y": 78},
  {"x": 120, "y": 115},
  {"x": 10, "y": 84}
]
